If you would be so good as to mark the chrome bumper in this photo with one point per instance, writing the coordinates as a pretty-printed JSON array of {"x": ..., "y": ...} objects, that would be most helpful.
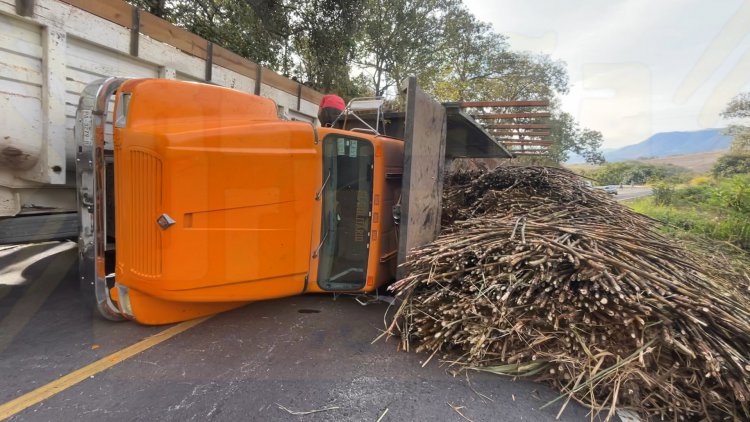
[{"x": 92, "y": 154}]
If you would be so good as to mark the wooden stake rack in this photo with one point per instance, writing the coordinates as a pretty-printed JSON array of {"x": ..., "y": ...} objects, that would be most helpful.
[{"x": 522, "y": 126}]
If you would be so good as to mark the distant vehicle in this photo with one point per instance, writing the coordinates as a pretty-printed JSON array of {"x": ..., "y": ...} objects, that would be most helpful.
[{"x": 612, "y": 190}]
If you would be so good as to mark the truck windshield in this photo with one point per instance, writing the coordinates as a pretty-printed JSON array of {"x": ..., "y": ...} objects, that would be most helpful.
[{"x": 347, "y": 212}]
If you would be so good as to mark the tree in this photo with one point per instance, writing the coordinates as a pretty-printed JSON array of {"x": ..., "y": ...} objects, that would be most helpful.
[
  {"x": 324, "y": 40},
  {"x": 738, "y": 108},
  {"x": 398, "y": 39},
  {"x": 479, "y": 65},
  {"x": 730, "y": 164},
  {"x": 640, "y": 173},
  {"x": 568, "y": 136},
  {"x": 254, "y": 29},
  {"x": 470, "y": 50},
  {"x": 525, "y": 76},
  {"x": 325, "y": 43},
  {"x": 155, "y": 7}
]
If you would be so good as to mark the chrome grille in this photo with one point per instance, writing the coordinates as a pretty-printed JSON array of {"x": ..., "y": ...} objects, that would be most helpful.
[{"x": 145, "y": 207}]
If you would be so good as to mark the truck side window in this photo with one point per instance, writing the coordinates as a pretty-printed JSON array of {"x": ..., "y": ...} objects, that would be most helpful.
[{"x": 347, "y": 212}]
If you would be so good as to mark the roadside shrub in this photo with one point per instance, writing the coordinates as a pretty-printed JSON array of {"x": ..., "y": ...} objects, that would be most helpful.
[
  {"x": 731, "y": 164},
  {"x": 638, "y": 173},
  {"x": 733, "y": 227},
  {"x": 694, "y": 194},
  {"x": 734, "y": 193},
  {"x": 663, "y": 193},
  {"x": 701, "y": 181}
]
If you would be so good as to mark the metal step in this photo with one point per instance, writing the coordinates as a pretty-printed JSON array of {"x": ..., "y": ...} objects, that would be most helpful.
[{"x": 38, "y": 228}]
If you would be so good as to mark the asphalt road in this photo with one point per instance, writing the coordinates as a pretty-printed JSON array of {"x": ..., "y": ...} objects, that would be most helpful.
[
  {"x": 303, "y": 353},
  {"x": 626, "y": 192}
]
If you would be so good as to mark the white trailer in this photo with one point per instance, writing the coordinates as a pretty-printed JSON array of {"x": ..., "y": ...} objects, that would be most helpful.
[{"x": 49, "y": 51}]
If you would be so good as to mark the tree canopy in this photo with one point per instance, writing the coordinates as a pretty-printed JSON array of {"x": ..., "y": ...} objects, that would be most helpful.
[
  {"x": 639, "y": 173},
  {"x": 730, "y": 164},
  {"x": 368, "y": 47},
  {"x": 739, "y": 110}
]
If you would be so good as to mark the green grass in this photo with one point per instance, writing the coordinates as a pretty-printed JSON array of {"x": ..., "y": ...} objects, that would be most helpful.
[{"x": 699, "y": 218}]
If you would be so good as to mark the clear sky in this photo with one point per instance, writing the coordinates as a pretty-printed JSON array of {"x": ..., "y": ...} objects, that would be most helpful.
[{"x": 637, "y": 67}]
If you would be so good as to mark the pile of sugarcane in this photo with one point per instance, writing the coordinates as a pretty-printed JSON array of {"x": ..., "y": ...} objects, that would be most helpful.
[{"x": 536, "y": 274}]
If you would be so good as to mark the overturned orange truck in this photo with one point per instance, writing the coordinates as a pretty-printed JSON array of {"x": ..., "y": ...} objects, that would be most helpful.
[{"x": 195, "y": 199}]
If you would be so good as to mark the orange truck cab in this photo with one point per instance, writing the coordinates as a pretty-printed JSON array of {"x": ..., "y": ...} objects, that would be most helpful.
[{"x": 204, "y": 200}]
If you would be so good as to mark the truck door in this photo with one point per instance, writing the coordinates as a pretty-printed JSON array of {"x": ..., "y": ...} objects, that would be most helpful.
[{"x": 348, "y": 164}]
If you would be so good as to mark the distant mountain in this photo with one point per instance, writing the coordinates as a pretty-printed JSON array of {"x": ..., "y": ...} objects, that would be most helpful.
[
  {"x": 664, "y": 144},
  {"x": 672, "y": 143}
]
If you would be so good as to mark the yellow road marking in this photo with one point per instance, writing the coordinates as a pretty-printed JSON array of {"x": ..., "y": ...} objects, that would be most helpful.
[{"x": 63, "y": 383}]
